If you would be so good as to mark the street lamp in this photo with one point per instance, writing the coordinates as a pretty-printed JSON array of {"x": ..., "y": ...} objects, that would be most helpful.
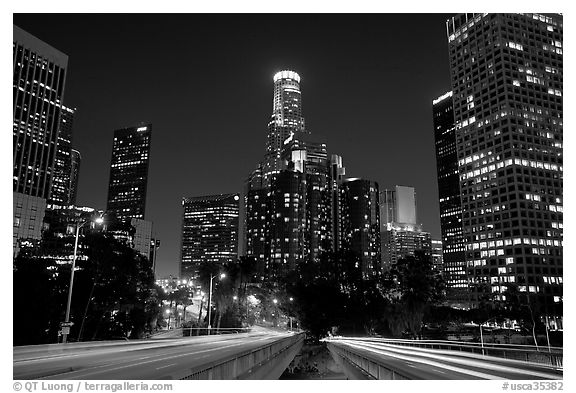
[
  {"x": 210, "y": 300},
  {"x": 481, "y": 336},
  {"x": 66, "y": 325}
]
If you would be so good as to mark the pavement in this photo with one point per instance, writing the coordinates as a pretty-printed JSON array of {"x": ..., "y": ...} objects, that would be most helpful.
[{"x": 152, "y": 359}]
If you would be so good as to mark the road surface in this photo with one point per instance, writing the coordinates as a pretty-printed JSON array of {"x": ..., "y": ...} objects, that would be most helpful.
[
  {"x": 423, "y": 363},
  {"x": 139, "y": 359}
]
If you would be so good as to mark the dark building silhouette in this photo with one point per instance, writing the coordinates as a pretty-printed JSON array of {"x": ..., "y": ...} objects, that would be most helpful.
[
  {"x": 209, "y": 232},
  {"x": 129, "y": 172},
  {"x": 400, "y": 233},
  {"x": 286, "y": 119},
  {"x": 360, "y": 216},
  {"x": 287, "y": 198},
  {"x": 61, "y": 181},
  {"x": 507, "y": 84},
  {"x": 39, "y": 75},
  {"x": 453, "y": 245},
  {"x": 76, "y": 160}
]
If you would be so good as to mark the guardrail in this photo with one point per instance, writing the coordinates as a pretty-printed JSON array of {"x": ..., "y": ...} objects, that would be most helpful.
[
  {"x": 205, "y": 331},
  {"x": 552, "y": 356},
  {"x": 363, "y": 365},
  {"x": 265, "y": 362}
]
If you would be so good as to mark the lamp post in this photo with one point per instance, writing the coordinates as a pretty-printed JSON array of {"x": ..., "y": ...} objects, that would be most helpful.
[
  {"x": 481, "y": 336},
  {"x": 210, "y": 300},
  {"x": 66, "y": 325}
]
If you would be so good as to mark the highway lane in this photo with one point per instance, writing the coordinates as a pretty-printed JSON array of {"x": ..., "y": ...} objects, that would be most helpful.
[
  {"x": 423, "y": 363},
  {"x": 142, "y": 359}
]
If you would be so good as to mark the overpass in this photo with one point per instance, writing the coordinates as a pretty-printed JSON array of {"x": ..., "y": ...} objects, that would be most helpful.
[
  {"x": 257, "y": 354},
  {"x": 378, "y": 358}
]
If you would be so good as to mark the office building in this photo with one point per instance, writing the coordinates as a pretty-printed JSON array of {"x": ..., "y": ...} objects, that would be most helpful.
[
  {"x": 360, "y": 216},
  {"x": 453, "y": 246},
  {"x": 437, "y": 257},
  {"x": 401, "y": 234},
  {"x": 39, "y": 75},
  {"x": 61, "y": 181},
  {"x": 209, "y": 232},
  {"x": 398, "y": 206},
  {"x": 286, "y": 238},
  {"x": 129, "y": 172},
  {"x": 507, "y": 85},
  {"x": 306, "y": 153},
  {"x": 288, "y": 200},
  {"x": 76, "y": 160},
  {"x": 286, "y": 119},
  {"x": 337, "y": 172}
]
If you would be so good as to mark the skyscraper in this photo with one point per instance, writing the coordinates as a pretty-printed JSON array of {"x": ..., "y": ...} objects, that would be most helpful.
[
  {"x": 286, "y": 118},
  {"x": 506, "y": 73},
  {"x": 360, "y": 216},
  {"x": 129, "y": 172},
  {"x": 61, "y": 181},
  {"x": 38, "y": 88},
  {"x": 288, "y": 201},
  {"x": 401, "y": 234},
  {"x": 76, "y": 160},
  {"x": 453, "y": 246},
  {"x": 209, "y": 232}
]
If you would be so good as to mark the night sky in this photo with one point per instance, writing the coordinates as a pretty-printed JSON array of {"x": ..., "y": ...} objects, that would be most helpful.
[{"x": 205, "y": 83}]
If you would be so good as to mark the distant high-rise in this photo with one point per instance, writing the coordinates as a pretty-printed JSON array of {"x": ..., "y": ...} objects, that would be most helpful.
[
  {"x": 360, "y": 223},
  {"x": 437, "y": 257},
  {"x": 398, "y": 206},
  {"x": 288, "y": 198},
  {"x": 39, "y": 75},
  {"x": 401, "y": 234},
  {"x": 286, "y": 119},
  {"x": 507, "y": 84},
  {"x": 76, "y": 160},
  {"x": 129, "y": 172},
  {"x": 209, "y": 232},
  {"x": 60, "y": 191}
]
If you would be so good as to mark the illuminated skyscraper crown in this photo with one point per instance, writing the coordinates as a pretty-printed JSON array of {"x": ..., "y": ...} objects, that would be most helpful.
[{"x": 287, "y": 104}]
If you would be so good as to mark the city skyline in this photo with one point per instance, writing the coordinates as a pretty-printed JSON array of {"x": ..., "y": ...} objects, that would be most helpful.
[{"x": 372, "y": 134}]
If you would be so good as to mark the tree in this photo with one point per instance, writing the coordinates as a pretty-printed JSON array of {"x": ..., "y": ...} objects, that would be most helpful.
[
  {"x": 114, "y": 293},
  {"x": 412, "y": 285}
]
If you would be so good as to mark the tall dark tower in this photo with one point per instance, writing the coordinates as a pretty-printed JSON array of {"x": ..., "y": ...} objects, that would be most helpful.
[
  {"x": 60, "y": 191},
  {"x": 76, "y": 160},
  {"x": 453, "y": 246},
  {"x": 360, "y": 215},
  {"x": 288, "y": 198},
  {"x": 507, "y": 78},
  {"x": 286, "y": 119},
  {"x": 39, "y": 75},
  {"x": 38, "y": 90},
  {"x": 129, "y": 172}
]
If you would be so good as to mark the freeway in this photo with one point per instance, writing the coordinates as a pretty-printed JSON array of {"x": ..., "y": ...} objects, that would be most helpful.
[
  {"x": 138, "y": 359},
  {"x": 424, "y": 363}
]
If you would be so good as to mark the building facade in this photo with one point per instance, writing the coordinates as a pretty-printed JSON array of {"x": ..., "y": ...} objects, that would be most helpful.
[
  {"x": 76, "y": 160},
  {"x": 507, "y": 84},
  {"x": 129, "y": 172},
  {"x": 209, "y": 232},
  {"x": 401, "y": 234},
  {"x": 38, "y": 90},
  {"x": 60, "y": 192},
  {"x": 360, "y": 223},
  {"x": 453, "y": 245},
  {"x": 286, "y": 119}
]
